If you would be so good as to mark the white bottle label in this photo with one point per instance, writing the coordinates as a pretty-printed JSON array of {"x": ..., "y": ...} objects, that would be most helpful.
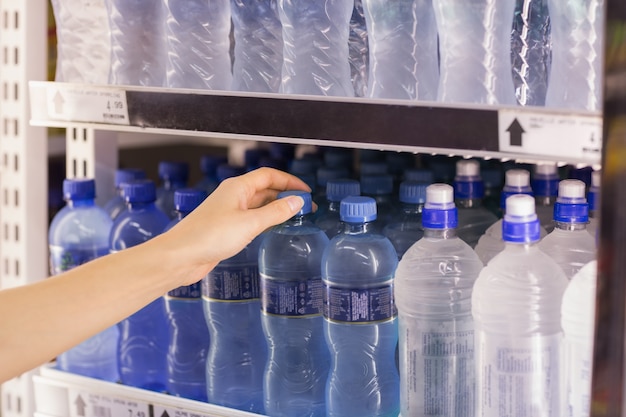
[
  {"x": 518, "y": 377},
  {"x": 577, "y": 358}
]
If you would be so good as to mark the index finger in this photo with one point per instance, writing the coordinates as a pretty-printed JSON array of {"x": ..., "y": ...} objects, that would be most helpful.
[{"x": 272, "y": 180}]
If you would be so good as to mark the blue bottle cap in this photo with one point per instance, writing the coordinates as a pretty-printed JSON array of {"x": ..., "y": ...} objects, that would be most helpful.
[
  {"x": 439, "y": 210},
  {"x": 139, "y": 191},
  {"x": 492, "y": 178},
  {"x": 303, "y": 166},
  {"x": 209, "y": 163},
  {"x": 338, "y": 189},
  {"x": 517, "y": 181},
  {"x": 571, "y": 205},
  {"x": 467, "y": 183},
  {"x": 545, "y": 182},
  {"x": 225, "y": 171},
  {"x": 357, "y": 209},
  {"x": 326, "y": 173},
  {"x": 128, "y": 174},
  {"x": 173, "y": 171},
  {"x": 79, "y": 189},
  {"x": 308, "y": 201},
  {"x": 284, "y": 151},
  {"x": 252, "y": 156},
  {"x": 374, "y": 168},
  {"x": 187, "y": 199},
  {"x": 412, "y": 192},
  {"x": 377, "y": 184},
  {"x": 520, "y": 223},
  {"x": 397, "y": 162}
]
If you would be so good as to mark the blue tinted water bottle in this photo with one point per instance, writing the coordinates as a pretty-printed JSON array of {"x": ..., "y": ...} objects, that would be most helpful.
[
  {"x": 433, "y": 290},
  {"x": 405, "y": 228},
  {"x": 208, "y": 166},
  {"x": 79, "y": 233},
  {"x": 361, "y": 325},
  {"x": 189, "y": 335},
  {"x": 545, "y": 185},
  {"x": 144, "y": 339},
  {"x": 117, "y": 203},
  {"x": 380, "y": 188},
  {"x": 290, "y": 262},
  {"x": 173, "y": 176},
  {"x": 336, "y": 190},
  {"x": 593, "y": 197}
]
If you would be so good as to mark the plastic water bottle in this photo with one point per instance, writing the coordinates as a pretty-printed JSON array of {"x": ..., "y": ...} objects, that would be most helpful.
[
  {"x": 593, "y": 198},
  {"x": 403, "y": 49},
  {"x": 473, "y": 217},
  {"x": 531, "y": 51},
  {"x": 198, "y": 44},
  {"x": 577, "y": 320},
  {"x": 189, "y": 335},
  {"x": 380, "y": 188},
  {"x": 258, "y": 45},
  {"x": 577, "y": 39},
  {"x": 358, "y": 50},
  {"x": 545, "y": 185},
  {"x": 323, "y": 175},
  {"x": 173, "y": 176},
  {"x": 569, "y": 244},
  {"x": 516, "y": 306},
  {"x": 315, "y": 53},
  {"x": 361, "y": 325},
  {"x": 517, "y": 181},
  {"x": 405, "y": 228},
  {"x": 290, "y": 267},
  {"x": 433, "y": 292},
  {"x": 83, "y": 41},
  {"x": 79, "y": 233},
  {"x": 117, "y": 203},
  {"x": 475, "y": 51},
  {"x": 144, "y": 339},
  {"x": 137, "y": 42},
  {"x": 336, "y": 190},
  {"x": 208, "y": 167},
  {"x": 238, "y": 351},
  {"x": 252, "y": 158}
]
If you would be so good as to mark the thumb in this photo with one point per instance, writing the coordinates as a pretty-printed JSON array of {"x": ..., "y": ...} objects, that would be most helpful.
[{"x": 276, "y": 212}]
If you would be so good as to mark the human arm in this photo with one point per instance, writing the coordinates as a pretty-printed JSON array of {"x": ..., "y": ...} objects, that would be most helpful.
[{"x": 41, "y": 320}]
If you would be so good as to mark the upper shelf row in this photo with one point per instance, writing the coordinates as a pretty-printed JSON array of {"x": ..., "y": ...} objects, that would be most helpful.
[{"x": 522, "y": 133}]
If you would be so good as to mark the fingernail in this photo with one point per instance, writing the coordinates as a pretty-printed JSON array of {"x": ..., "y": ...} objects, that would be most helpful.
[{"x": 295, "y": 203}]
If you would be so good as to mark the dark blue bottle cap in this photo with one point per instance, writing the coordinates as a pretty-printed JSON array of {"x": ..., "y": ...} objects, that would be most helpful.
[
  {"x": 326, "y": 173},
  {"x": 79, "y": 189},
  {"x": 397, "y": 162},
  {"x": 338, "y": 157},
  {"x": 338, "y": 189},
  {"x": 252, "y": 156},
  {"x": 571, "y": 205},
  {"x": 380, "y": 184},
  {"x": 492, "y": 178},
  {"x": 374, "y": 168},
  {"x": 303, "y": 166},
  {"x": 357, "y": 209},
  {"x": 209, "y": 163},
  {"x": 139, "y": 191},
  {"x": 439, "y": 210},
  {"x": 187, "y": 199},
  {"x": 173, "y": 171},
  {"x": 284, "y": 151},
  {"x": 412, "y": 192},
  {"x": 128, "y": 174},
  {"x": 419, "y": 175},
  {"x": 225, "y": 171},
  {"x": 520, "y": 223},
  {"x": 308, "y": 201}
]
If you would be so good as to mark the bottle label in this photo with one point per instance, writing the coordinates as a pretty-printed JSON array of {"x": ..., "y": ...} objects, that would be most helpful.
[
  {"x": 232, "y": 283},
  {"x": 357, "y": 305},
  {"x": 292, "y": 298},
  {"x": 187, "y": 291},
  {"x": 577, "y": 360},
  {"x": 62, "y": 259},
  {"x": 518, "y": 376}
]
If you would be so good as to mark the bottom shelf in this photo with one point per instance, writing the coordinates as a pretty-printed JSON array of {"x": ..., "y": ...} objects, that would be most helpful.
[{"x": 62, "y": 394}]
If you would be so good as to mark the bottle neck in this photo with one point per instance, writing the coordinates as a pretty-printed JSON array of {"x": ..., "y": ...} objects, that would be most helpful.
[
  {"x": 439, "y": 233},
  {"x": 173, "y": 184},
  {"x": 358, "y": 228},
  {"x": 134, "y": 206},
  {"x": 409, "y": 208},
  {"x": 570, "y": 226},
  {"x": 334, "y": 206},
  {"x": 81, "y": 203},
  {"x": 468, "y": 202},
  {"x": 541, "y": 200}
]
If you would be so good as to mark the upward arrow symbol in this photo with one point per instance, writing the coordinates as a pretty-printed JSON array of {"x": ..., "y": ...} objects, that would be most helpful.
[
  {"x": 515, "y": 131},
  {"x": 80, "y": 406},
  {"x": 58, "y": 103}
]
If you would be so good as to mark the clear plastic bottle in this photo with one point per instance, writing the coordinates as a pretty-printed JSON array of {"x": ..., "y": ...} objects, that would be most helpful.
[
  {"x": 315, "y": 54},
  {"x": 137, "y": 43},
  {"x": 258, "y": 45},
  {"x": 403, "y": 49},
  {"x": 569, "y": 244},
  {"x": 198, "y": 44},
  {"x": 358, "y": 47},
  {"x": 531, "y": 51},
  {"x": 290, "y": 267},
  {"x": 473, "y": 217},
  {"x": 545, "y": 185},
  {"x": 323, "y": 175},
  {"x": 380, "y": 188},
  {"x": 577, "y": 50},
  {"x": 475, "y": 51},
  {"x": 405, "y": 228},
  {"x": 83, "y": 44},
  {"x": 577, "y": 320},
  {"x": 117, "y": 203},
  {"x": 433, "y": 289},
  {"x": 360, "y": 323},
  {"x": 173, "y": 176},
  {"x": 593, "y": 198},
  {"x": 336, "y": 190},
  {"x": 79, "y": 233},
  {"x": 188, "y": 332},
  {"x": 144, "y": 339},
  {"x": 516, "y": 306},
  {"x": 208, "y": 167}
]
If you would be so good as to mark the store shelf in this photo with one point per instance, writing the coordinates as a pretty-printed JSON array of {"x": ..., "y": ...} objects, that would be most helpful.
[{"x": 503, "y": 132}]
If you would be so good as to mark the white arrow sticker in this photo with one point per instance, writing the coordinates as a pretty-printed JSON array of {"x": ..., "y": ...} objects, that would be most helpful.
[
  {"x": 86, "y": 404},
  {"x": 80, "y": 103}
]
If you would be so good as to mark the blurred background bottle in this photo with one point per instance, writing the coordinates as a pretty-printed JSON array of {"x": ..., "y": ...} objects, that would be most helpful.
[
  {"x": 336, "y": 190},
  {"x": 173, "y": 176},
  {"x": 208, "y": 166},
  {"x": 545, "y": 186},
  {"x": 405, "y": 228},
  {"x": 593, "y": 198},
  {"x": 117, "y": 203}
]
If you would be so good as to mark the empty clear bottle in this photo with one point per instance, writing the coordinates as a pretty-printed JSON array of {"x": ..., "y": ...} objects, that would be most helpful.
[
  {"x": 361, "y": 325},
  {"x": 403, "y": 49},
  {"x": 358, "y": 49},
  {"x": 258, "y": 45},
  {"x": 577, "y": 320},
  {"x": 545, "y": 185},
  {"x": 290, "y": 262},
  {"x": 405, "y": 228},
  {"x": 208, "y": 167},
  {"x": 593, "y": 198},
  {"x": 198, "y": 44},
  {"x": 473, "y": 217},
  {"x": 173, "y": 176},
  {"x": 475, "y": 51},
  {"x": 117, "y": 203},
  {"x": 569, "y": 244},
  {"x": 79, "y": 233},
  {"x": 315, "y": 54},
  {"x": 433, "y": 289},
  {"x": 189, "y": 335},
  {"x": 577, "y": 39},
  {"x": 144, "y": 338},
  {"x": 516, "y": 306},
  {"x": 336, "y": 190}
]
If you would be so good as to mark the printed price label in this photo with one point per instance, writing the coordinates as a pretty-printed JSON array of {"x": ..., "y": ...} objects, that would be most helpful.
[
  {"x": 85, "y": 404},
  {"x": 87, "y": 104}
]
